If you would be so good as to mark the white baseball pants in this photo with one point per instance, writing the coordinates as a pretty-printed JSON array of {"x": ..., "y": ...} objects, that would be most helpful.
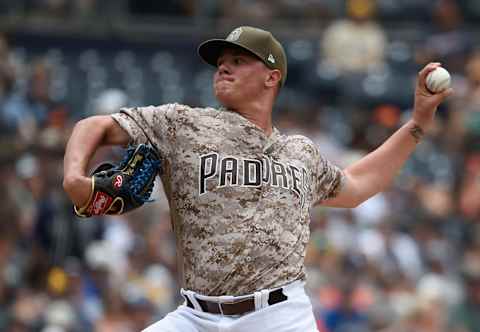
[{"x": 293, "y": 315}]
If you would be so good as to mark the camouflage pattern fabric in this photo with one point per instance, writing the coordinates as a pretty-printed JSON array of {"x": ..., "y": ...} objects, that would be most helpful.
[{"x": 239, "y": 200}]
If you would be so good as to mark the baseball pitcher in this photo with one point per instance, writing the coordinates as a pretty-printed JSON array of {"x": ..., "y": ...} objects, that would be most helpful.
[{"x": 239, "y": 190}]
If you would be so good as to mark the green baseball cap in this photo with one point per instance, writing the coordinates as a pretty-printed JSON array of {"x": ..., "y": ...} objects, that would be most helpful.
[{"x": 259, "y": 42}]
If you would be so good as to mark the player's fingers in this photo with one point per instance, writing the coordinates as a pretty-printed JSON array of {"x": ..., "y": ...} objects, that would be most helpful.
[
  {"x": 446, "y": 93},
  {"x": 422, "y": 75},
  {"x": 438, "y": 98},
  {"x": 428, "y": 68}
]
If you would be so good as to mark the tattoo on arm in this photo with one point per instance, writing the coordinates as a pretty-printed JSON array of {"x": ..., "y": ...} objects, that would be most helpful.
[{"x": 417, "y": 133}]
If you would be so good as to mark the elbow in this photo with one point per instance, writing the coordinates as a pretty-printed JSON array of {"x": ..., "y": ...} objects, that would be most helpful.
[
  {"x": 355, "y": 202},
  {"x": 349, "y": 203},
  {"x": 70, "y": 182},
  {"x": 360, "y": 199},
  {"x": 78, "y": 188},
  {"x": 68, "y": 185},
  {"x": 74, "y": 182}
]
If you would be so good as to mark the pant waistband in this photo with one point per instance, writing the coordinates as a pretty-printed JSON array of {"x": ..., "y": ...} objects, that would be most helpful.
[{"x": 237, "y": 305}]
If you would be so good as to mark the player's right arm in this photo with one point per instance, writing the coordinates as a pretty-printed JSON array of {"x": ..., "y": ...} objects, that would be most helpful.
[
  {"x": 376, "y": 171},
  {"x": 87, "y": 136}
]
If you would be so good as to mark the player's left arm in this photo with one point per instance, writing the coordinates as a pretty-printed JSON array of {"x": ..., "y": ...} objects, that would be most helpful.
[{"x": 375, "y": 172}]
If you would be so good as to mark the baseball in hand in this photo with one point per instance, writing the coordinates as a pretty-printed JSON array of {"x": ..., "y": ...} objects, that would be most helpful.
[{"x": 438, "y": 80}]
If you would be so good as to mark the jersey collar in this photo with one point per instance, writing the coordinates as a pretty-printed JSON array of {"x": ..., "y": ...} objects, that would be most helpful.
[{"x": 275, "y": 132}]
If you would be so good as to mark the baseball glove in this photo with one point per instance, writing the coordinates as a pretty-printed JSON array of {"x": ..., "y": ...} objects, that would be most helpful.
[{"x": 117, "y": 189}]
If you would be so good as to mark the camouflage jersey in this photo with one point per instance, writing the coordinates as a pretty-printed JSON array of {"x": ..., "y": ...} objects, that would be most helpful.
[{"x": 239, "y": 200}]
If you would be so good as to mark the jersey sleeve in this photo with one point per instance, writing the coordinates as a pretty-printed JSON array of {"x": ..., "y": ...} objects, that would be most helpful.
[
  {"x": 151, "y": 124},
  {"x": 328, "y": 179}
]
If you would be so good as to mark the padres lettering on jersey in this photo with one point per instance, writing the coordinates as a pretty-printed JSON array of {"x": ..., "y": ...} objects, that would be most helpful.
[{"x": 256, "y": 172}]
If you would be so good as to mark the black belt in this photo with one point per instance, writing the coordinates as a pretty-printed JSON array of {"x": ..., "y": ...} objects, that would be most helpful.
[{"x": 238, "y": 307}]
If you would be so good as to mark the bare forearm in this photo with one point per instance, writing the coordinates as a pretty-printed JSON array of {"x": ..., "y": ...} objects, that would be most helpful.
[
  {"x": 375, "y": 172},
  {"x": 87, "y": 136},
  {"x": 81, "y": 146}
]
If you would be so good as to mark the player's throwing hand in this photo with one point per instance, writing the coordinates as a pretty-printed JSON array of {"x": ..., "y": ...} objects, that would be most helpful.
[{"x": 426, "y": 102}]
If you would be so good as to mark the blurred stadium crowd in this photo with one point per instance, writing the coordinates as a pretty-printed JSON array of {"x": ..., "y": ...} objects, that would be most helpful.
[{"x": 406, "y": 260}]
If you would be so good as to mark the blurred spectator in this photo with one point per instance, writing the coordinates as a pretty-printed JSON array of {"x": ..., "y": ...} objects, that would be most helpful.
[
  {"x": 115, "y": 316},
  {"x": 395, "y": 253},
  {"x": 345, "y": 316},
  {"x": 356, "y": 43},
  {"x": 464, "y": 317},
  {"x": 449, "y": 42},
  {"x": 34, "y": 106},
  {"x": 7, "y": 70},
  {"x": 469, "y": 203},
  {"x": 61, "y": 315},
  {"x": 43, "y": 223},
  {"x": 464, "y": 119}
]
